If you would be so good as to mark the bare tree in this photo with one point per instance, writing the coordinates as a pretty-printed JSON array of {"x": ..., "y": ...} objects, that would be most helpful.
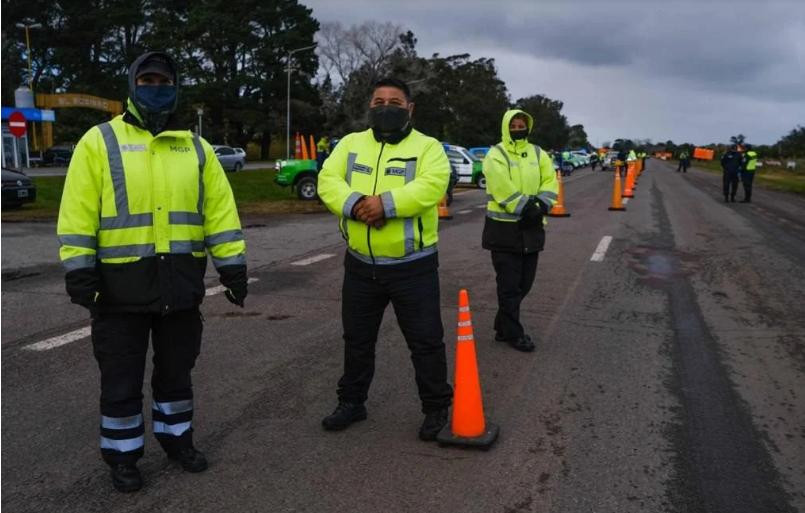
[{"x": 367, "y": 46}]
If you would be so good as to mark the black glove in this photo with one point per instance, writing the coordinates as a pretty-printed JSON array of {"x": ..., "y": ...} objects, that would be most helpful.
[
  {"x": 234, "y": 278},
  {"x": 82, "y": 285},
  {"x": 532, "y": 215}
]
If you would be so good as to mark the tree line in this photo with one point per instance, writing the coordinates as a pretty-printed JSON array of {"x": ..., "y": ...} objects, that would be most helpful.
[{"x": 233, "y": 57}]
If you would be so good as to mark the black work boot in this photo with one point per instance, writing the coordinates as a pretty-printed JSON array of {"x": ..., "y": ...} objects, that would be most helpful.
[
  {"x": 344, "y": 415},
  {"x": 126, "y": 478},
  {"x": 433, "y": 423},
  {"x": 190, "y": 459},
  {"x": 523, "y": 343}
]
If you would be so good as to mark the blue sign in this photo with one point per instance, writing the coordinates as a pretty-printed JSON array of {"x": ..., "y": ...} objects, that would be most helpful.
[{"x": 30, "y": 114}]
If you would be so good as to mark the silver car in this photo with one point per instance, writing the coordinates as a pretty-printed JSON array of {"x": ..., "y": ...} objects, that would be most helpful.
[{"x": 230, "y": 159}]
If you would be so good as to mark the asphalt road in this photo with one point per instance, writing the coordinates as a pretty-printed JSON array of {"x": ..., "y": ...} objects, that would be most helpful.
[{"x": 666, "y": 379}]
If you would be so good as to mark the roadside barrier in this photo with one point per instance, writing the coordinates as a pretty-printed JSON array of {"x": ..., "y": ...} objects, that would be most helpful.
[
  {"x": 468, "y": 426},
  {"x": 558, "y": 209},
  {"x": 628, "y": 191},
  {"x": 444, "y": 212},
  {"x": 617, "y": 196},
  {"x": 313, "y": 155}
]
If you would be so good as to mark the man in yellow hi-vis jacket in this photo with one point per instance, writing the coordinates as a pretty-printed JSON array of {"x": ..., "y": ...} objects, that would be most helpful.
[
  {"x": 384, "y": 184},
  {"x": 143, "y": 205},
  {"x": 521, "y": 186}
]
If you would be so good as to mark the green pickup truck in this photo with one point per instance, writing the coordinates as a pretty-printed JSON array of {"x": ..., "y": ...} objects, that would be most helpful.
[{"x": 302, "y": 175}]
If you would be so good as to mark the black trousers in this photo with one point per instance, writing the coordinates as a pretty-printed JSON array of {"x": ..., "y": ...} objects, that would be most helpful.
[
  {"x": 120, "y": 345},
  {"x": 515, "y": 273},
  {"x": 416, "y": 304},
  {"x": 730, "y": 184},
  {"x": 747, "y": 177}
]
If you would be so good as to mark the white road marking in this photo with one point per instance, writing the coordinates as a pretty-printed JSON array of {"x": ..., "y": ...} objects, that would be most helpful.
[
  {"x": 625, "y": 200},
  {"x": 61, "y": 340},
  {"x": 220, "y": 288},
  {"x": 464, "y": 212},
  {"x": 73, "y": 336},
  {"x": 313, "y": 259},
  {"x": 601, "y": 250},
  {"x": 481, "y": 206}
]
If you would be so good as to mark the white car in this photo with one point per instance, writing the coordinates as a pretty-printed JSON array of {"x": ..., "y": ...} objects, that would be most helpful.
[{"x": 230, "y": 160}]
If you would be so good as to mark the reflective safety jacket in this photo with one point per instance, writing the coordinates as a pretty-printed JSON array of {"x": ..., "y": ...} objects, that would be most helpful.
[
  {"x": 750, "y": 161},
  {"x": 631, "y": 156},
  {"x": 139, "y": 213},
  {"x": 411, "y": 178},
  {"x": 515, "y": 172}
]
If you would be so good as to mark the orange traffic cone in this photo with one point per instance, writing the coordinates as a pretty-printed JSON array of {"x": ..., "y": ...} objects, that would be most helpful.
[
  {"x": 558, "y": 209},
  {"x": 305, "y": 155},
  {"x": 297, "y": 154},
  {"x": 468, "y": 426},
  {"x": 312, "y": 149},
  {"x": 628, "y": 191},
  {"x": 444, "y": 212},
  {"x": 617, "y": 199}
]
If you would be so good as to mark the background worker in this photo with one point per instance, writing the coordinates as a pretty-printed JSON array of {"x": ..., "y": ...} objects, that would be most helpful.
[
  {"x": 748, "y": 168},
  {"x": 522, "y": 188},
  {"x": 620, "y": 161},
  {"x": 731, "y": 163},
  {"x": 322, "y": 150},
  {"x": 384, "y": 184},
  {"x": 684, "y": 162},
  {"x": 566, "y": 170},
  {"x": 143, "y": 204}
]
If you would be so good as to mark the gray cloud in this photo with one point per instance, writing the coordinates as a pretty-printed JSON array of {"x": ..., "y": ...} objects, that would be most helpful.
[{"x": 747, "y": 58}]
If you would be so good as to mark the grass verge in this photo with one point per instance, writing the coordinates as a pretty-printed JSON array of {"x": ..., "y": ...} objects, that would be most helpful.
[
  {"x": 255, "y": 193},
  {"x": 771, "y": 177}
]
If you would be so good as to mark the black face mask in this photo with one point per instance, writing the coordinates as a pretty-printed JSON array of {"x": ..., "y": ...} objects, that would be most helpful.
[
  {"x": 518, "y": 135},
  {"x": 389, "y": 119}
]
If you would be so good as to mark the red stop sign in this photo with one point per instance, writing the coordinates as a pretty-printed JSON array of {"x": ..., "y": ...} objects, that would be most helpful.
[{"x": 16, "y": 124}]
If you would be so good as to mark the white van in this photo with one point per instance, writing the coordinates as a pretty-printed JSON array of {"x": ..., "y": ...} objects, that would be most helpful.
[{"x": 461, "y": 160}]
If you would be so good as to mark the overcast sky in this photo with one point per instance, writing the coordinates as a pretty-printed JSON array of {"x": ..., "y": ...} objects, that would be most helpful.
[{"x": 690, "y": 71}]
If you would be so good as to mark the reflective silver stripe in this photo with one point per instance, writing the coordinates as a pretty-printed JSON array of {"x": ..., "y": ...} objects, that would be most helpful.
[
  {"x": 122, "y": 422},
  {"x": 391, "y": 260},
  {"x": 510, "y": 199},
  {"x": 389, "y": 208},
  {"x": 186, "y": 246},
  {"x": 116, "y": 169},
  {"x": 465, "y": 338},
  {"x": 408, "y": 234},
  {"x": 127, "y": 445},
  {"x": 173, "y": 407},
  {"x": 548, "y": 198},
  {"x": 344, "y": 229},
  {"x": 410, "y": 170},
  {"x": 502, "y": 216},
  {"x": 127, "y": 221},
  {"x": 353, "y": 198},
  {"x": 171, "y": 429},
  {"x": 463, "y": 308},
  {"x": 234, "y": 260},
  {"x": 351, "y": 158},
  {"x": 521, "y": 205},
  {"x": 79, "y": 241},
  {"x": 129, "y": 250},
  {"x": 539, "y": 153},
  {"x": 191, "y": 218},
  {"x": 202, "y": 161},
  {"x": 464, "y": 324},
  {"x": 505, "y": 156},
  {"x": 78, "y": 262},
  {"x": 223, "y": 237}
]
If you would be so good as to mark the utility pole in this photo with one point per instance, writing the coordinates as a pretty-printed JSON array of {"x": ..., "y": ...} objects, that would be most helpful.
[
  {"x": 288, "y": 107},
  {"x": 27, "y": 27}
]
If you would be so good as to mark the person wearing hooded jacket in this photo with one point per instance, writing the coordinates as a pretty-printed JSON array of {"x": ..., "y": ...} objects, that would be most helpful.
[
  {"x": 143, "y": 205},
  {"x": 384, "y": 184},
  {"x": 522, "y": 187}
]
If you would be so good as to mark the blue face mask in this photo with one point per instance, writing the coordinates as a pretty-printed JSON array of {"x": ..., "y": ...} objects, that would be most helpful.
[{"x": 155, "y": 98}]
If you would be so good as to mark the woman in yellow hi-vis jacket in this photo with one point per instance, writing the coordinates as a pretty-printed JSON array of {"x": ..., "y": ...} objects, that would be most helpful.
[
  {"x": 143, "y": 205},
  {"x": 521, "y": 186}
]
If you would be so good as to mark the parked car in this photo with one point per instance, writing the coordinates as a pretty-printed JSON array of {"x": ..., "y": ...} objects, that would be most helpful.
[
  {"x": 240, "y": 151},
  {"x": 302, "y": 175},
  {"x": 58, "y": 155},
  {"x": 582, "y": 157},
  {"x": 230, "y": 160},
  {"x": 17, "y": 189},
  {"x": 468, "y": 167}
]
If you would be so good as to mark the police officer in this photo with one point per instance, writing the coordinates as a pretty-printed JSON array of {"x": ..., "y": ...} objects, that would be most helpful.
[
  {"x": 384, "y": 185},
  {"x": 143, "y": 204},
  {"x": 565, "y": 158},
  {"x": 521, "y": 186},
  {"x": 684, "y": 162},
  {"x": 731, "y": 163},
  {"x": 748, "y": 172}
]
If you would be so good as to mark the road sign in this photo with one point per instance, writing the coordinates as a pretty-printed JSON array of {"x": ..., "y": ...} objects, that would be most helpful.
[{"x": 16, "y": 124}]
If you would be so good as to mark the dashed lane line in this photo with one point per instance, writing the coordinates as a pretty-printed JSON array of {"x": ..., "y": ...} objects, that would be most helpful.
[
  {"x": 462, "y": 212},
  {"x": 601, "y": 250},
  {"x": 625, "y": 200},
  {"x": 313, "y": 259},
  {"x": 81, "y": 333}
]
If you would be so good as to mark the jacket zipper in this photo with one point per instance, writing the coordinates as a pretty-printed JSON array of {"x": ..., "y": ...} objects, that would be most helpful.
[
  {"x": 421, "y": 238},
  {"x": 369, "y": 227}
]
